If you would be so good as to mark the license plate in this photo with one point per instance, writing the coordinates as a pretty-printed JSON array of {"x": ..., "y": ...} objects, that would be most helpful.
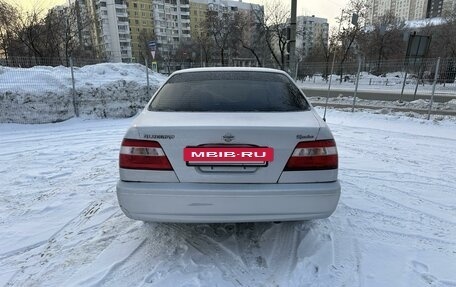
[{"x": 228, "y": 155}]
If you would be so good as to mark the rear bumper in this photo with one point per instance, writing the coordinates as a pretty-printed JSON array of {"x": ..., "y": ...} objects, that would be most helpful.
[{"x": 203, "y": 202}]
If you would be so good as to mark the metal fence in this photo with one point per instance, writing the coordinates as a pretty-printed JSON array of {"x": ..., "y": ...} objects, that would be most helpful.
[
  {"x": 412, "y": 85},
  {"x": 51, "y": 90},
  {"x": 412, "y": 76},
  {"x": 48, "y": 90}
]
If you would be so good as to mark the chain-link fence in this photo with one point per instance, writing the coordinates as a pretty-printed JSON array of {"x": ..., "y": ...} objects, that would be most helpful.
[
  {"x": 49, "y": 90},
  {"x": 419, "y": 85},
  {"x": 28, "y": 62},
  {"x": 412, "y": 76}
]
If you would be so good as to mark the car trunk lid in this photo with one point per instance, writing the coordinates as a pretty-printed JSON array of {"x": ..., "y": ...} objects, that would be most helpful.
[{"x": 176, "y": 131}]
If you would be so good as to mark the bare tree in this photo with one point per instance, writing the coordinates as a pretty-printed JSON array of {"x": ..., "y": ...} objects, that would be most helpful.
[
  {"x": 33, "y": 35},
  {"x": 8, "y": 16},
  {"x": 443, "y": 45},
  {"x": 251, "y": 34},
  {"x": 68, "y": 27},
  {"x": 223, "y": 26},
  {"x": 383, "y": 41},
  {"x": 322, "y": 52},
  {"x": 144, "y": 37},
  {"x": 185, "y": 53},
  {"x": 350, "y": 32},
  {"x": 204, "y": 42},
  {"x": 56, "y": 34},
  {"x": 444, "y": 38},
  {"x": 273, "y": 20}
]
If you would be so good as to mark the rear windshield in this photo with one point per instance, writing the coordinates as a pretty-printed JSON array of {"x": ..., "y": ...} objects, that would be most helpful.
[{"x": 229, "y": 91}]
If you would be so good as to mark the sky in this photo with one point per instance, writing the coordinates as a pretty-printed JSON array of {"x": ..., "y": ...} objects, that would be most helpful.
[{"x": 329, "y": 9}]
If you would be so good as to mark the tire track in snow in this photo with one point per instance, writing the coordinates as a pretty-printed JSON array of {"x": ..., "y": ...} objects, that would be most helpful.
[
  {"x": 67, "y": 238},
  {"x": 68, "y": 225},
  {"x": 343, "y": 266},
  {"x": 247, "y": 254},
  {"x": 346, "y": 266},
  {"x": 283, "y": 257},
  {"x": 356, "y": 129},
  {"x": 347, "y": 172},
  {"x": 106, "y": 263},
  {"x": 231, "y": 264},
  {"x": 363, "y": 229},
  {"x": 433, "y": 219},
  {"x": 422, "y": 270},
  {"x": 411, "y": 195},
  {"x": 47, "y": 140}
]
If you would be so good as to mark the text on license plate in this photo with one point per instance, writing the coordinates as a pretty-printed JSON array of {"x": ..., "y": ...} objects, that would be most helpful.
[{"x": 228, "y": 154}]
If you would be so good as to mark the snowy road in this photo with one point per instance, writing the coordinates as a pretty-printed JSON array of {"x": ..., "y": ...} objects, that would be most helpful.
[{"x": 60, "y": 224}]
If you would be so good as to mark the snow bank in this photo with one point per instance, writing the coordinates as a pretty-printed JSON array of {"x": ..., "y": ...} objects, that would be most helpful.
[
  {"x": 452, "y": 104},
  {"x": 44, "y": 94}
]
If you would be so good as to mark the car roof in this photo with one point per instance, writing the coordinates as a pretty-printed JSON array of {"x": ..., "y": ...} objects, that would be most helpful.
[{"x": 230, "y": 69}]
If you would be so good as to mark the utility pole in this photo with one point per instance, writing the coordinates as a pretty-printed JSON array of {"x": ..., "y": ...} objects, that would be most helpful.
[{"x": 292, "y": 64}]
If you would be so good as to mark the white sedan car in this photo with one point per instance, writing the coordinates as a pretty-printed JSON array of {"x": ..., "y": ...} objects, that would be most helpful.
[{"x": 228, "y": 145}]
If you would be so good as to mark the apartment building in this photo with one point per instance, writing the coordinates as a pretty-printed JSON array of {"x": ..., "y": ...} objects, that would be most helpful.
[
  {"x": 402, "y": 9},
  {"x": 449, "y": 6},
  {"x": 309, "y": 31},
  {"x": 437, "y": 8},
  {"x": 140, "y": 14},
  {"x": 409, "y": 9},
  {"x": 171, "y": 24},
  {"x": 122, "y": 28},
  {"x": 199, "y": 8},
  {"x": 112, "y": 29}
]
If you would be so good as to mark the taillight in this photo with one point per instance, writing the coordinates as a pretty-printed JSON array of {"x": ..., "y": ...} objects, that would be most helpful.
[
  {"x": 141, "y": 154},
  {"x": 313, "y": 155}
]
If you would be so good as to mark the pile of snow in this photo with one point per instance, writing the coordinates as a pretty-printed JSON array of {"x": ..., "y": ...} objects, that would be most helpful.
[
  {"x": 452, "y": 104},
  {"x": 41, "y": 79},
  {"x": 44, "y": 94}
]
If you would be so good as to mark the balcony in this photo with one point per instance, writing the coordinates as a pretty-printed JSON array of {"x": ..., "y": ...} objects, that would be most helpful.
[
  {"x": 125, "y": 49},
  {"x": 124, "y": 40},
  {"x": 123, "y": 31}
]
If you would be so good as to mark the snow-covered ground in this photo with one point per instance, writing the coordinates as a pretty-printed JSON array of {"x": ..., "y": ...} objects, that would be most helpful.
[{"x": 60, "y": 224}]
